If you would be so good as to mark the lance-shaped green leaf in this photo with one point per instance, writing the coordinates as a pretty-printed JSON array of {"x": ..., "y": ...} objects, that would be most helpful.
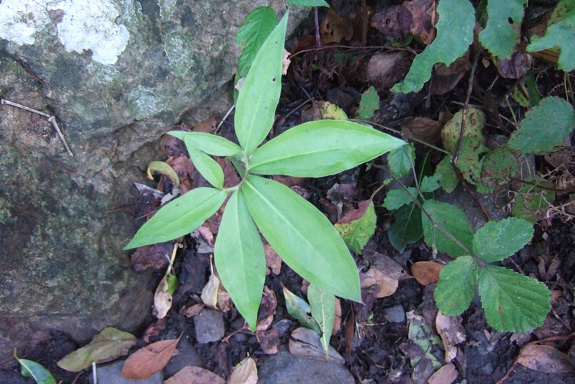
[
  {"x": 322, "y": 305},
  {"x": 259, "y": 96},
  {"x": 208, "y": 143},
  {"x": 321, "y": 148},
  {"x": 256, "y": 27},
  {"x": 37, "y": 371},
  {"x": 208, "y": 167},
  {"x": 239, "y": 257},
  {"x": 451, "y": 219},
  {"x": 497, "y": 240},
  {"x": 179, "y": 217},
  {"x": 499, "y": 35},
  {"x": 302, "y": 236},
  {"x": 512, "y": 302},
  {"x": 107, "y": 345},
  {"x": 456, "y": 286},
  {"x": 454, "y": 35},
  {"x": 300, "y": 310}
]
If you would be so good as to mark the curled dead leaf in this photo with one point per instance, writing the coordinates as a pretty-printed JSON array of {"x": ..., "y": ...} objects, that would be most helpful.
[
  {"x": 544, "y": 358},
  {"x": 150, "y": 359},
  {"x": 451, "y": 332},
  {"x": 379, "y": 284},
  {"x": 245, "y": 372},
  {"x": 210, "y": 292}
]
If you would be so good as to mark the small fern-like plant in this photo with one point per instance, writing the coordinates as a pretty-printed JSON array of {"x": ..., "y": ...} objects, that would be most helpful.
[{"x": 301, "y": 235}]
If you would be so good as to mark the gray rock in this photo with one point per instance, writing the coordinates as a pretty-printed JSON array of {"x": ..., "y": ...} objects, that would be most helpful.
[
  {"x": 116, "y": 74},
  {"x": 112, "y": 374},
  {"x": 395, "y": 314},
  {"x": 187, "y": 355},
  {"x": 285, "y": 368},
  {"x": 209, "y": 325}
]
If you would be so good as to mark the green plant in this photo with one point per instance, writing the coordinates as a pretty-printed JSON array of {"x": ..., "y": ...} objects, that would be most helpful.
[
  {"x": 302, "y": 236},
  {"x": 37, "y": 371}
]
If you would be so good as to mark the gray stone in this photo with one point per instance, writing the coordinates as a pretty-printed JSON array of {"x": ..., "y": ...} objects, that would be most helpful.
[
  {"x": 395, "y": 314},
  {"x": 285, "y": 368},
  {"x": 116, "y": 74},
  {"x": 209, "y": 324},
  {"x": 187, "y": 355},
  {"x": 112, "y": 374}
]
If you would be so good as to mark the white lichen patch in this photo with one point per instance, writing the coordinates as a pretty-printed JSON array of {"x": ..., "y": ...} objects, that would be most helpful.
[
  {"x": 102, "y": 74},
  {"x": 145, "y": 103},
  {"x": 167, "y": 9},
  {"x": 84, "y": 25},
  {"x": 180, "y": 56}
]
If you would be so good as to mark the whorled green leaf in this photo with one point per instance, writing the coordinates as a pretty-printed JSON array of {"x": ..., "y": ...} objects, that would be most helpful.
[
  {"x": 406, "y": 227},
  {"x": 302, "y": 236},
  {"x": 37, "y": 371},
  {"x": 497, "y": 240},
  {"x": 499, "y": 35},
  {"x": 256, "y": 27},
  {"x": 309, "y": 3},
  {"x": 208, "y": 167},
  {"x": 321, "y": 148},
  {"x": 397, "y": 198},
  {"x": 512, "y": 302},
  {"x": 179, "y": 217},
  {"x": 400, "y": 160},
  {"x": 107, "y": 345},
  {"x": 560, "y": 33},
  {"x": 357, "y": 232},
  {"x": 544, "y": 127},
  {"x": 164, "y": 169},
  {"x": 456, "y": 286},
  {"x": 208, "y": 143},
  {"x": 239, "y": 257},
  {"x": 259, "y": 96},
  {"x": 454, "y": 35},
  {"x": 322, "y": 305},
  {"x": 300, "y": 310},
  {"x": 453, "y": 220},
  {"x": 369, "y": 103}
]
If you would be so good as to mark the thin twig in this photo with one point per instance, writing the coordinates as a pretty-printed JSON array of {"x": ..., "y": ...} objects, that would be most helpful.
[
  {"x": 316, "y": 22},
  {"x": 51, "y": 120},
  {"x": 224, "y": 118}
]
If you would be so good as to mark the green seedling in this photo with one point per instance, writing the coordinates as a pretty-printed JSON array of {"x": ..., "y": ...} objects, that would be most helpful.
[{"x": 301, "y": 235}]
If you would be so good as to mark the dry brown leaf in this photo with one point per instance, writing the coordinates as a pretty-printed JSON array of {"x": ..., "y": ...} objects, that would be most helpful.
[
  {"x": 334, "y": 29},
  {"x": 269, "y": 303},
  {"x": 162, "y": 299},
  {"x": 210, "y": 292},
  {"x": 444, "y": 375},
  {"x": 423, "y": 19},
  {"x": 150, "y": 359},
  {"x": 422, "y": 128},
  {"x": 306, "y": 343},
  {"x": 544, "y": 358},
  {"x": 151, "y": 256},
  {"x": 285, "y": 62},
  {"x": 269, "y": 340},
  {"x": 172, "y": 146},
  {"x": 208, "y": 125},
  {"x": 386, "y": 265},
  {"x": 273, "y": 261},
  {"x": 193, "y": 310},
  {"x": 378, "y": 283},
  {"x": 451, "y": 332},
  {"x": 154, "y": 330},
  {"x": 245, "y": 372},
  {"x": 426, "y": 272},
  {"x": 195, "y": 375},
  {"x": 393, "y": 22},
  {"x": 337, "y": 321}
]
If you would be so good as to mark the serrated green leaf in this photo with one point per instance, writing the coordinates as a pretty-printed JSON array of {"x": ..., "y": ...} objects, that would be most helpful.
[
  {"x": 357, "y": 233},
  {"x": 400, "y": 160},
  {"x": 454, "y": 35},
  {"x": 499, "y": 35},
  {"x": 257, "y": 26},
  {"x": 560, "y": 33},
  {"x": 259, "y": 96},
  {"x": 397, "y": 198},
  {"x": 369, "y": 103},
  {"x": 453, "y": 220},
  {"x": 497, "y": 240},
  {"x": 208, "y": 167},
  {"x": 299, "y": 309},
  {"x": 320, "y": 148},
  {"x": 208, "y": 143},
  {"x": 406, "y": 227},
  {"x": 429, "y": 184},
  {"x": 37, "y": 371},
  {"x": 179, "y": 217},
  {"x": 309, "y": 3},
  {"x": 456, "y": 286},
  {"x": 446, "y": 175},
  {"x": 322, "y": 305},
  {"x": 239, "y": 258},
  {"x": 544, "y": 127},
  {"x": 512, "y": 302},
  {"x": 107, "y": 345},
  {"x": 302, "y": 236}
]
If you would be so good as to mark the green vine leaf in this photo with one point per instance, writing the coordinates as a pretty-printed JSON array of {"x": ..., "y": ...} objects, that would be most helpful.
[
  {"x": 544, "y": 127},
  {"x": 397, "y": 198},
  {"x": 456, "y": 286},
  {"x": 512, "y": 302},
  {"x": 321, "y": 148},
  {"x": 208, "y": 167},
  {"x": 561, "y": 34},
  {"x": 454, "y": 35},
  {"x": 239, "y": 258},
  {"x": 179, "y": 217},
  {"x": 400, "y": 160},
  {"x": 302, "y": 236},
  {"x": 497, "y": 240},
  {"x": 256, "y": 27},
  {"x": 322, "y": 305},
  {"x": 500, "y": 36},
  {"x": 208, "y": 143},
  {"x": 259, "y": 96}
]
